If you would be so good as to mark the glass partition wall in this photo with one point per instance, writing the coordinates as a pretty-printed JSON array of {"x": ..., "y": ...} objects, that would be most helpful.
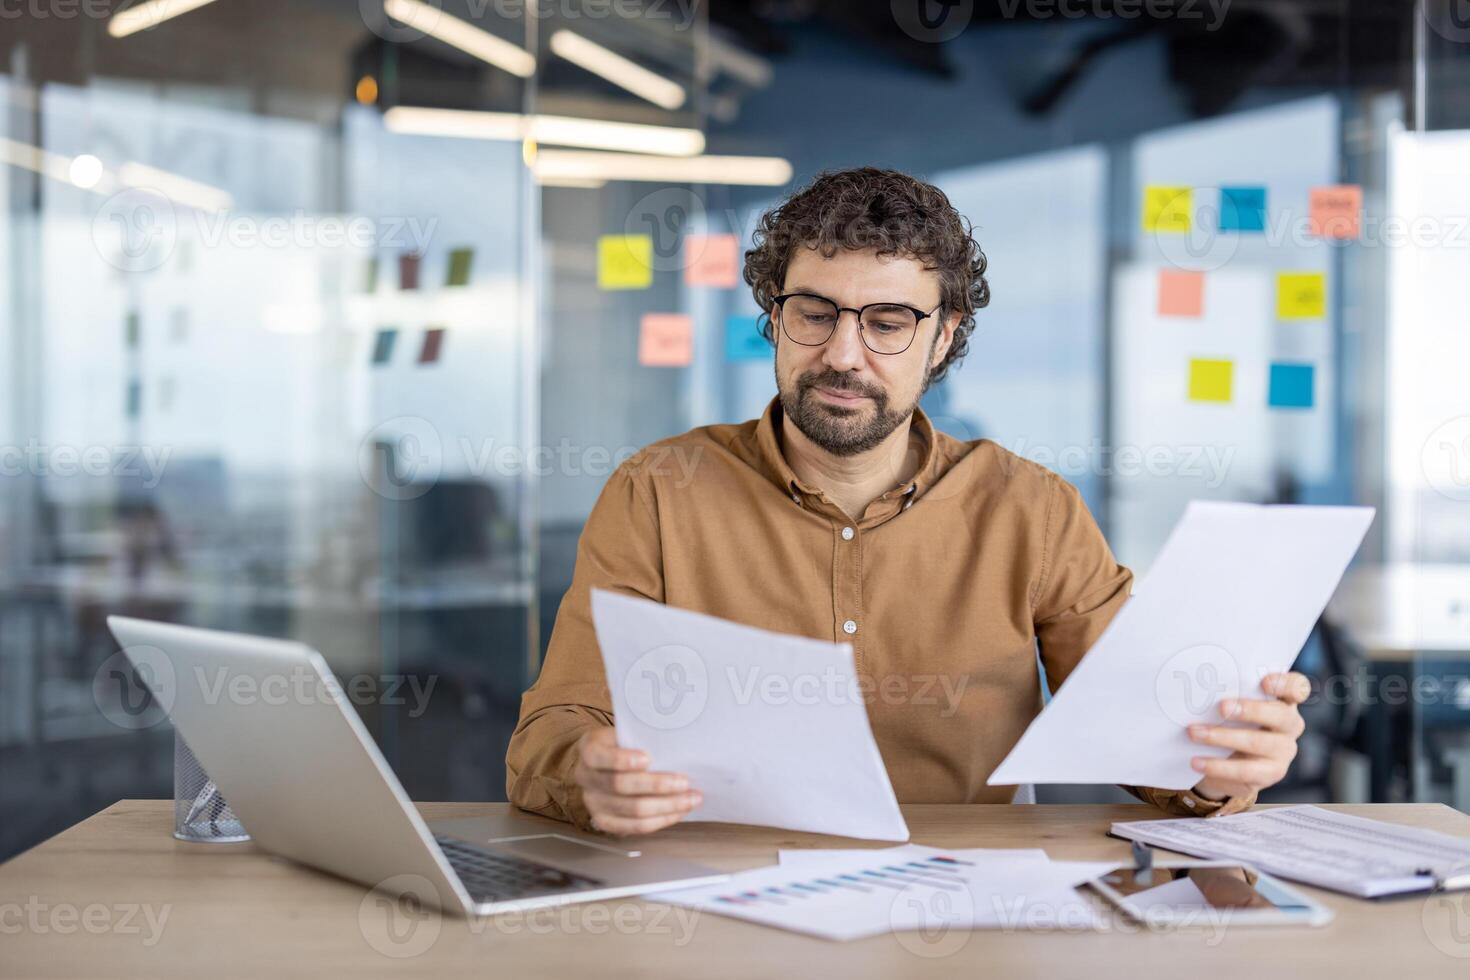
[
  {"x": 1418, "y": 601},
  {"x": 261, "y": 348}
]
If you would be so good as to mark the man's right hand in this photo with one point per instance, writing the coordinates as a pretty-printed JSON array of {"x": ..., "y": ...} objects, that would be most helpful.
[{"x": 621, "y": 794}]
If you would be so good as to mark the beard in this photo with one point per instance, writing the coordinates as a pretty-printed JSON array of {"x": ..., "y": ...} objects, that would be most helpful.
[{"x": 842, "y": 430}]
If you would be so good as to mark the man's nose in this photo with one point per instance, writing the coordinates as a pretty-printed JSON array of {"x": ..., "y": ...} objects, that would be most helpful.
[{"x": 844, "y": 350}]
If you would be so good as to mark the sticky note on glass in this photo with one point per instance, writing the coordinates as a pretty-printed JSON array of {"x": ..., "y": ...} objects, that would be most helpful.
[
  {"x": 1167, "y": 208},
  {"x": 1209, "y": 381},
  {"x": 743, "y": 340},
  {"x": 408, "y": 270},
  {"x": 370, "y": 275},
  {"x": 1291, "y": 385},
  {"x": 624, "y": 262},
  {"x": 712, "y": 260},
  {"x": 383, "y": 345},
  {"x": 666, "y": 340},
  {"x": 433, "y": 345},
  {"x": 1181, "y": 293},
  {"x": 1301, "y": 295},
  {"x": 460, "y": 260},
  {"x": 1242, "y": 209},
  {"x": 1336, "y": 211}
]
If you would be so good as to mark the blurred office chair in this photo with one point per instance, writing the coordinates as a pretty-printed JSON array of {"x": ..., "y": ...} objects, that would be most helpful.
[{"x": 1336, "y": 747}]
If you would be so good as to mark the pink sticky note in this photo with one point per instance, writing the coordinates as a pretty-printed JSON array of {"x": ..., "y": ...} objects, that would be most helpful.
[
  {"x": 666, "y": 340},
  {"x": 1336, "y": 211},
  {"x": 1181, "y": 293},
  {"x": 712, "y": 260}
]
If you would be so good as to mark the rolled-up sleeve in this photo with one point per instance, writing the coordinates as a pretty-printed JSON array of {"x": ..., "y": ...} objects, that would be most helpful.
[
  {"x": 1082, "y": 588},
  {"x": 619, "y": 551}
]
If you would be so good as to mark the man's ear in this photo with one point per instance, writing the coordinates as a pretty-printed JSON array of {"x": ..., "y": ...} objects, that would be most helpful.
[{"x": 945, "y": 340}]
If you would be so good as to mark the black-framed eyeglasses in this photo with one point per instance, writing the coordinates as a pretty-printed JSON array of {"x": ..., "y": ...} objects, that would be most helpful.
[{"x": 886, "y": 328}]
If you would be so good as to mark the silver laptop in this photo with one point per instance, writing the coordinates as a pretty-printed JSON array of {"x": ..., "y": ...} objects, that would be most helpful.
[{"x": 273, "y": 730}]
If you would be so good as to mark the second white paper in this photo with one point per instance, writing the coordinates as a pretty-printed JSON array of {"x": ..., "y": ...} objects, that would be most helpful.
[{"x": 1231, "y": 597}]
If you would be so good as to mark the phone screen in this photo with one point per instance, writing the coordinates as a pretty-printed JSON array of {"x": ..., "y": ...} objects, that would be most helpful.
[{"x": 1232, "y": 887}]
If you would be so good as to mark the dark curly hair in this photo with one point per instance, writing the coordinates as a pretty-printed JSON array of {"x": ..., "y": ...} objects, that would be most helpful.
[{"x": 869, "y": 208}]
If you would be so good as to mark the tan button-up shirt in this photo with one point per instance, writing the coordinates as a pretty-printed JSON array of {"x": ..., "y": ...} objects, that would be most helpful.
[{"x": 946, "y": 587}]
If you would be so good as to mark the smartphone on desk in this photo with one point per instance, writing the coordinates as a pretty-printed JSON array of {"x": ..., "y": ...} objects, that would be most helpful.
[{"x": 1183, "y": 893}]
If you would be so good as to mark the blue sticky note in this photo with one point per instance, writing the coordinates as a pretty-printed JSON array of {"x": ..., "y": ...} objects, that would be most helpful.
[
  {"x": 1242, "y": 209},
  {"x": 383, "y": 345},
  {"x": 743, "y": 340},
  {"x": 1291, "y": 385}
]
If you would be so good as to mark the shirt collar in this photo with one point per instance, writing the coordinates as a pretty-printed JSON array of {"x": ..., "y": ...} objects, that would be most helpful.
[{"x": 775, "y": 467}]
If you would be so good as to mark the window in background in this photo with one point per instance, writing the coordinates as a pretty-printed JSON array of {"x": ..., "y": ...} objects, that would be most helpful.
[
  {"x": 264, "y": 359},
  {"x": 1226, "y": 391},
  {"x": 1033, "y": 379}
]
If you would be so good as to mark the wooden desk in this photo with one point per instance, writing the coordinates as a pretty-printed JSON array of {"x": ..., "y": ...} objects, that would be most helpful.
[
  {"x": 1400, "y": 611},
  {"x": 233, "y": 911}
]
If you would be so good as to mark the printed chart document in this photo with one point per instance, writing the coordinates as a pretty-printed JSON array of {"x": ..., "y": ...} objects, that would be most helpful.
[
  {"x": 771, "y": 728},
  {"x": 1353, "y": 855},
  {"x": 848, "y": 894},
  {"x": 1231, "y": 598}
]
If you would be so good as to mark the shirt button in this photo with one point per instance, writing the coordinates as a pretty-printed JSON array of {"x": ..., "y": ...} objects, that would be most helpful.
[
  {"x": 849, "y": 627},
  {"x": 847, "y": 534}
]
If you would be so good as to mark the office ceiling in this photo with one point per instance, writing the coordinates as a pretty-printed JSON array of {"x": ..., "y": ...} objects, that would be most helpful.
[{"x": 317, "y": 46}]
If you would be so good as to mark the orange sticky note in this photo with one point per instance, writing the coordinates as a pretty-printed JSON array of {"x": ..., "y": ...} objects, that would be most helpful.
[
  {"x": 666, "y": 340},
  {"x": 1336, "y": 211},
  {"x": 712, "y": 260},
  {"x": 1181, "y": 293}
]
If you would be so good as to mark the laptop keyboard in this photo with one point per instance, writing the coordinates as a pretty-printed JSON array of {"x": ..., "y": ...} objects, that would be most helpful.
[{"x": 492, "y": 877}]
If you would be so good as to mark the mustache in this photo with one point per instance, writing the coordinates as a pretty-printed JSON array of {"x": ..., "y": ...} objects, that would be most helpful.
[{"x": 839, "y": 382}]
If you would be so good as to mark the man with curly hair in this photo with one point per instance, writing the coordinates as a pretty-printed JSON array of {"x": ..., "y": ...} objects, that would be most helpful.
[{"x": 842, "y": 513}]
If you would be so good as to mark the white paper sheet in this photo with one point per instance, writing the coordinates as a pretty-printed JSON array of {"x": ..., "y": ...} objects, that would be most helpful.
[
  {"x": 770, "y": 728},
  {"x": 1231, "y": 597},
  {"x": 848, "y": 894},
  {"x": 1307, "y": 843}
]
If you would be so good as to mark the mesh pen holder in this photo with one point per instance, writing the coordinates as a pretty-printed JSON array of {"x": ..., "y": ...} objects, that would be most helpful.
[{"x": 200, "y": 812}]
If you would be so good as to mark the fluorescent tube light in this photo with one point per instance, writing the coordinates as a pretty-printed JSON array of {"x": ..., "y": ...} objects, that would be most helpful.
[
  {"x": 620, "y": 71},
  {"x": 463, "y": 35},
  {"x": 545, "y": 130}
]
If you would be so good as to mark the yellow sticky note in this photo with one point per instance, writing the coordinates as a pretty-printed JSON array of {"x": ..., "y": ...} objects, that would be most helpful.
[
  {"x": 1167, "y": 208},
  {"x": 666, "y": 340},
  {"x": 1301, "y": 295},
  {"x": 1209, "y": 381},
  {"x": 624, "y": 262}
]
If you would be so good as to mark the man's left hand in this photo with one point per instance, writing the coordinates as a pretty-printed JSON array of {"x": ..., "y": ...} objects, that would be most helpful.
[{"x": 1262, "y": 754}]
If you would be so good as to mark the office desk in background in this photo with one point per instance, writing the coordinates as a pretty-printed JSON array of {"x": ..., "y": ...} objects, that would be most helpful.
[
  {"x": 234, "y": 911},
  {"x": 1409, "y": 623}
]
